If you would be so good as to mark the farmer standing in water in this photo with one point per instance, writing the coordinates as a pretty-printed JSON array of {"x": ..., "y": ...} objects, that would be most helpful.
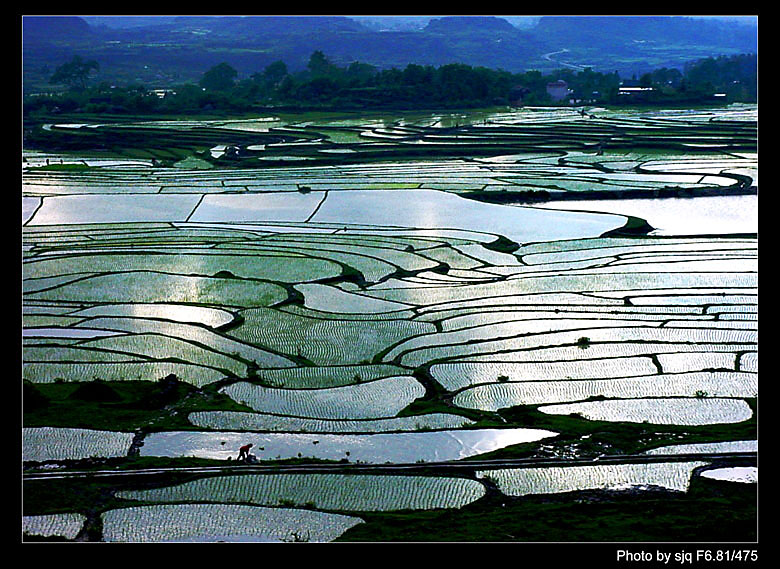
[{"x": 243, "y": 452}]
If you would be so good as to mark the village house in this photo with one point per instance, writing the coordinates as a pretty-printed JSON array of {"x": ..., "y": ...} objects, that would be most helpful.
[{"x": 558, "y": 90}]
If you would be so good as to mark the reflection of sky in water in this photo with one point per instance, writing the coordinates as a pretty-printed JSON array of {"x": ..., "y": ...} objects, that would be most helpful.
[
  {"x": 287, "y": 206},
  {"x": 680, "y": 216},
  {"x": 67, "y": 333},
  {"x": 371, "y": 448},
  {"x": 331, "y": 299},
  {"x": 744, "y": 474},
  {"x": 114, "y": 208},
  {"x": 437, "y": 209},
  {"x": 29, "y": 205},
  {"x": 178, "y": 312}
]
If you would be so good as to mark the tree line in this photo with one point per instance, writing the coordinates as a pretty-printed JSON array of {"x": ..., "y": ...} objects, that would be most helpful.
[{"x": 362, "y": 86}]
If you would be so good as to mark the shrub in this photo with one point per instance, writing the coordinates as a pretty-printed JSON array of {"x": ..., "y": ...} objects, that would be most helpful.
[
  {"x": 32, "y": 398},
  {"x": 96, "y": 390}
]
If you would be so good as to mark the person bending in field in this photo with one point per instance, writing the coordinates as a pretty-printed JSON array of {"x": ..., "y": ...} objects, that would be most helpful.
[{"x": 243, "y": 452}]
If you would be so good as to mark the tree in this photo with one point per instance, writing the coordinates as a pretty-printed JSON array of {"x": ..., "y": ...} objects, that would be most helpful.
[
  {"x": 319, "y": 65},
  {"x": 360, "y": 73},
  {"x": 219, "y": 78},
  {"x": 74, "y": 73},
  {"x": 275, "y": 72}
]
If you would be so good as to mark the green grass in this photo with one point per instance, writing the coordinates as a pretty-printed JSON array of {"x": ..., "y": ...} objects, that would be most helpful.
[
  {"x": 502, "y": 245},
  {"x": 138, "y": 404}
]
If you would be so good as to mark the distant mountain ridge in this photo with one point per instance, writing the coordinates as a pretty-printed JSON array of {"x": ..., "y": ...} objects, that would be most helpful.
[
  {"x": 464, "y": 24},
  {"x": 34, "y": 27},
  {"x": 593, "y": 31},
  {"x": 165, "y": 50}
]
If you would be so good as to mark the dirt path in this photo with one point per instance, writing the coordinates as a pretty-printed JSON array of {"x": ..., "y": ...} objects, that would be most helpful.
[{"x": 415, "y": 467}]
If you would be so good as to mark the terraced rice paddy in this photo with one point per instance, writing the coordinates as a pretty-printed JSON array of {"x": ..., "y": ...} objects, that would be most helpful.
[
  {"x": 43, "y": 444},
  {"x": 325, "y": 491},
  {"x": 380, "y": 398},
  {"x": 408, "y": 290},
  {"x": 241, "y": 421},
  {"x": 521, "y": 482},
  {"x": 221, "y": 522},
  {"x": 659, "y": 411},
  {"x": 54, "y": 525}
]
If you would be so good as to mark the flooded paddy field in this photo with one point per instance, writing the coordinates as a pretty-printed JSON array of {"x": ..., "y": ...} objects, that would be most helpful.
[{"x": 355, "y": 293}]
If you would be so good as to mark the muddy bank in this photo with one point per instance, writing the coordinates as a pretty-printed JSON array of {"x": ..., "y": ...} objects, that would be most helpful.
[{"x": 543, "y": 196}]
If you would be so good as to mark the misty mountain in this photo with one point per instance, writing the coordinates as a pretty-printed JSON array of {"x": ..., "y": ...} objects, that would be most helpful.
[
  {"x": 604, "y": 32},
  {"x": 469, "y": 24},
  {"x": 124, "y": 22},
  {"x": 46, "y": 28},
  {"x": 164, "y": 50}
]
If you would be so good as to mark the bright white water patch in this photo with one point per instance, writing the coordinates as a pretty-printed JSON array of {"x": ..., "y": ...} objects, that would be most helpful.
[
  {"x": 114, "y": 208},
  {"x": 58, "y": 443},
  {"x": 658, "y": 411},
  {"x": 725, "y": 446},
  {"x": 289, "y": 158},
  {"x": 242, "y": 421},
  {"x": 221, "y": 522},
  {"x": 680, "y": 216},
  {"x": 71, "y": 125},
  {"x": 212, "y": 317},
  {"x": 695, "y": 361},
  {"x": 402, "y": 448},
  {"x": 744, "y": 474},
  {"x": 325, "y": 491},
  {"x": 553, "y": 480},
  {"x": 281, "y": 206},
  {"x": 29, "y": 205},
  {"x": 51, "y": 525},
  {"x": 437, "y": 209},
  {"x": 380, "y": 398},
  {"x": 331, "y": 299}
]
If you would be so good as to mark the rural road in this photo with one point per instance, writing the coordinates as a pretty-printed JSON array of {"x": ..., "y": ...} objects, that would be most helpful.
[
  {"x": 390, "y": 468},
  {"x": 548, "y": 57}
]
